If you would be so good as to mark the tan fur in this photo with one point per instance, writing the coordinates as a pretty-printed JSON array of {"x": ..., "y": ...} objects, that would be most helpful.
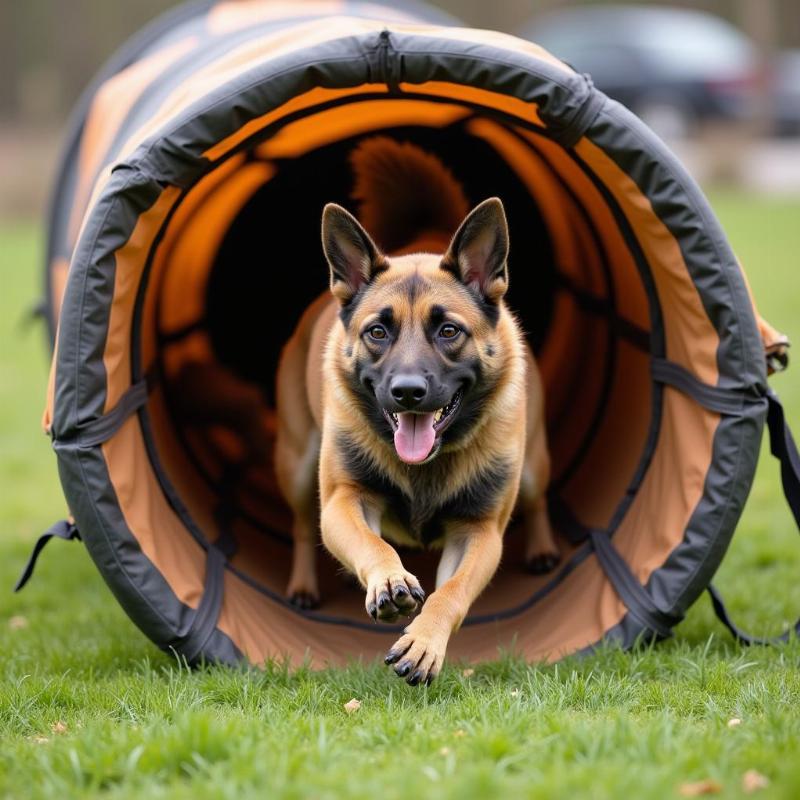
[
  {"x": 316, "y": 398},
  {"x": 429, "y": 197}
]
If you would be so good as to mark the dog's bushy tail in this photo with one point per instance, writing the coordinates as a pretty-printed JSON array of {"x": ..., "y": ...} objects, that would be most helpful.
[{"x": 403, "y": 192}]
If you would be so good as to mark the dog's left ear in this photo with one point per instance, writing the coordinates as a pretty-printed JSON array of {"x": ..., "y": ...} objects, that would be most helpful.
[
  {"x": 353, "y": 257},
  {"x": 478, "y": 253}
]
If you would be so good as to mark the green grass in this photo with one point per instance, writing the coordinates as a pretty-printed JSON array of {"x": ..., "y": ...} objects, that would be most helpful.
[{"x": 130, "y": 721}]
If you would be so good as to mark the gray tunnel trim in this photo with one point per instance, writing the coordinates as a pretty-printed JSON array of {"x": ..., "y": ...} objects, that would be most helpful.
[
  {"x": 139, "y": 587},
  {"x": 176, "y": 158},
  {"x": 680, "y": 204}
]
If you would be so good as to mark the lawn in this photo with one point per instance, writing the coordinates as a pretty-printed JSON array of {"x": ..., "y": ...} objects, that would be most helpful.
[{"x": 89, "y": 707}]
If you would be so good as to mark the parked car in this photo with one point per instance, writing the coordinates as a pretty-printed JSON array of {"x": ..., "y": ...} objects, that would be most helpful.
[
  {"x": 675, "y": 68},
  {"x": 786, "y": 94}
]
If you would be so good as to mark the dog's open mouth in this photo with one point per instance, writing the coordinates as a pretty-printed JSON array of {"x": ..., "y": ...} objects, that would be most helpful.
[{"x": 417, "y": 434}]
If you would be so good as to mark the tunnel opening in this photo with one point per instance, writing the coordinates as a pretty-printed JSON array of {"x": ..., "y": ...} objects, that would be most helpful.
[{"x": 240, "y": 259}]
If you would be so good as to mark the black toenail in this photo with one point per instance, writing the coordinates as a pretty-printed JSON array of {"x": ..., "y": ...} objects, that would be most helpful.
[
  {"x": 372, "y": 610},
  {"x": 391, "y": 657},
  {"x": 400, "y": 591},
  {"x": 403, "y": 668},
  {"x": 415, "y": 678},
  {"x": 418, "y": 595}
]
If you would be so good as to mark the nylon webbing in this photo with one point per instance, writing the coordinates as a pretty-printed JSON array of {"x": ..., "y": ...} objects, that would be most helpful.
[
  {"x": 714, "y": 398},
  {"x": 384, "y": 64},
  {"x": 569, "y": 134},
  {"x": 97, "y": 431},
  {"x": 625, "y": 583},
  {"x": 630, "y": 591},
  {"x": 204, "y": 622},
  {"x": 741, "y": 636},
  {"x": 783, "y": 447},
  {"x": 63, "y": 529},
  {"x": 103, "y": 428}
]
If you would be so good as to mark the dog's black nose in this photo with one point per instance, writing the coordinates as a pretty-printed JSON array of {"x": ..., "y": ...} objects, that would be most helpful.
[{"x": 409, "y": 390}]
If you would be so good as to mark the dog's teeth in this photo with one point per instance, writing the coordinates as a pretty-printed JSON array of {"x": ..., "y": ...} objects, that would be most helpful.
[{"x": 438, "y": 415}]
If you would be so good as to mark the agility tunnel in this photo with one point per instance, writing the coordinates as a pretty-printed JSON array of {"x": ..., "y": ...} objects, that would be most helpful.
[{"x": 184, "y": 245}]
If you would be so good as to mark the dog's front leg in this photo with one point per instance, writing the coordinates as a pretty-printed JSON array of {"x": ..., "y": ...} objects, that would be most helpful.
[
  {"x": 470, "y": 559},
  {"x": 391, "y": 590}
]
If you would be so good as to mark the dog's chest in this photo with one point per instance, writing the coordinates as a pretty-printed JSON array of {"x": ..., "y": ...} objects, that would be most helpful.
[
  {"x": 420, "y": 516},
  {"x": 419, "y": 513}
]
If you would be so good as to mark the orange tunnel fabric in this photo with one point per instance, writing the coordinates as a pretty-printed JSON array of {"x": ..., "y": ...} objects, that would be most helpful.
[{"x": 236, "y": 123}]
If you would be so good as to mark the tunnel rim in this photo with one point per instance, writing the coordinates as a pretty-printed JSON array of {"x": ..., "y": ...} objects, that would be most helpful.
[{"x": 147, "y": 176}]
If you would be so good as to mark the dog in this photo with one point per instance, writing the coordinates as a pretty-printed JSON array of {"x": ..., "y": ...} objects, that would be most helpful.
[{"x": 410, "y": 404}]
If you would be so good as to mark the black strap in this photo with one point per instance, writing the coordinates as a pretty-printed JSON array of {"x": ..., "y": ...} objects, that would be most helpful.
[
  {"x": 568, "y": 133},
  {"x": 783, "y": 447},
  {"x": 627, "y": 586},
  {"x": 63, "y": 529},
  {"x": 714, "y": 398},
  {"x": 103, "y": 428},
  {"x": 625, "y": 583},
  {"x": 204, "y": 621},
  {"x": 89, "y": 434},
  {"x": 741, "y": 636}
]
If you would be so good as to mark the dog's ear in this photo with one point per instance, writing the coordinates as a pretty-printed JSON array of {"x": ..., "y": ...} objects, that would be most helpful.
[
  {"x": 352, "y": 256},
  {"x": 478, "y": 253}
]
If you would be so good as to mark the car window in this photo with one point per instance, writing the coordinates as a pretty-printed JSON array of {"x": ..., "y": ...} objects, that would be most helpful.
[
  {"x": 697, "y": 44},
  {"x": 676, "y": 42}
]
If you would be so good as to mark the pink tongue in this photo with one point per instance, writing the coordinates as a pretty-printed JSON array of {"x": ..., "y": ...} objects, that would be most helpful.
[{"x": 414, "y": 436}]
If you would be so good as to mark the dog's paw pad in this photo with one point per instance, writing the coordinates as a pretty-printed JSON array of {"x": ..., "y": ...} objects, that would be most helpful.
[
  {"x": 543, "y": 563},
  {"x": 304, "y": 600}
]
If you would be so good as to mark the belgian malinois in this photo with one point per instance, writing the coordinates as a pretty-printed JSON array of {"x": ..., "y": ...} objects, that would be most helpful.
[{"x": 408, "y": 398}]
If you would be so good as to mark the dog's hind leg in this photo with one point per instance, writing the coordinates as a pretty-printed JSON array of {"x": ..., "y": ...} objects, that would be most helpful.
[
  {"x": 541, "y": 553},
  {"x": 303, "y": 587},
  {"x": 296, "y": 466}
]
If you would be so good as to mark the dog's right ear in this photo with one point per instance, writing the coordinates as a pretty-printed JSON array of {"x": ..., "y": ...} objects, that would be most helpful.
[{"x": 352, "y": 256}]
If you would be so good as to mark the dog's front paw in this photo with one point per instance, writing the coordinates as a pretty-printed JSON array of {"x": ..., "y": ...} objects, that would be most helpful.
[
  {"x": 397, "y": 594},
  {"x": 417, "y": 656}
]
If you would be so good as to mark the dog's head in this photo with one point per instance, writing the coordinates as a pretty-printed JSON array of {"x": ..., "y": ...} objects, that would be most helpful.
[{"x": 422, "y": 350}]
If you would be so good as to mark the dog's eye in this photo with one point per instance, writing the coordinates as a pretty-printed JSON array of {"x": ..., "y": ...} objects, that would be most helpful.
[
  {"x": 449, "y": 331},
  {"x": 377, "y": 332}
]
